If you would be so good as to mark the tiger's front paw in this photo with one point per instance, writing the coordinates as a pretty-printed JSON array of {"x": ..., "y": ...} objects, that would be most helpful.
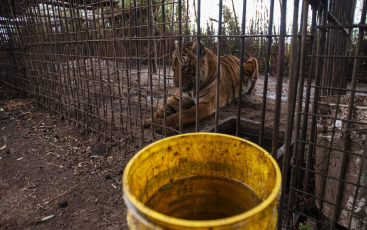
[
  {"x": 147, "y": 123},
  {"x": 160, "y": 127}
]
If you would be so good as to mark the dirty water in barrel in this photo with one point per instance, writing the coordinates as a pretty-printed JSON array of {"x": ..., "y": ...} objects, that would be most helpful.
[{"x": 203, "y": 198}]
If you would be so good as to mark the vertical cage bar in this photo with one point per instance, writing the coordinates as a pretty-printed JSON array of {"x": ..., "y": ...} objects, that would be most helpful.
[
  {"x": 198, "y": 67},
  {"x": 151, "y": 35},
  {"x": 128, "y": 26},
  {"x": 101, "y": 99},
  {"x": 280, "y": 71},
  {"x": 299, "y": 152},
  {"x": 164, "y": 68},
  {"x": 292, "y": 87},
  {"x": 359, "y": 181},
  {"x": 266, "y": 73},
  {"x": 218, "y": 65},
  {"x": 19, "y": 37},
  {"x": 347, "y": 132},
  {"x": 292, "y": 93},
  {"x": 318, "y": 74},
  {"x": 138, "y": 72},
  {"x": 278, "y": 99},
  {"x": 71, "y": 96},
  {"x": 109, "y": 93},
  {"x": 180, "y": 66},
  {"x": 89, "y": 81},
  {"x": 58, "y": 69},
  {"x": 242, "y": 51},
  {"x": 115, "y": 66}
]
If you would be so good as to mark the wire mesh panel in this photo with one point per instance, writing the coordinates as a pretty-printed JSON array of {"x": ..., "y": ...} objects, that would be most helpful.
[
  {"x": 327, "y": 186},
  {"x": 106, "y": 65},
  {"x": 131, "y": 72}
]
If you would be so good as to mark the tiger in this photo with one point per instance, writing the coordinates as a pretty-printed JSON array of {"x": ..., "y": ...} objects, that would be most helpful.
[{"x": 228, "y": 83}]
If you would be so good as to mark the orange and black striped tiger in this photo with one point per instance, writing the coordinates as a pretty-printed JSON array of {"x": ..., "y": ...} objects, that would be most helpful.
[{"x": 228, "y": 85}]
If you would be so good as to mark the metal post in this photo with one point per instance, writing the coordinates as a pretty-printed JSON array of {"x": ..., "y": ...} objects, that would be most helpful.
[
  {"x": 180, "y": 65},
  {"x": 278, "y": 99},
  {"x": 319, "y": 63},
  {"x": 347, "y": 140},
  {"x": 218, "y": 65},
  {"x": 298, "y": 152},
  {"x": 266, "y": 74},
  {"x": 197, "y": 67},
  {"x": 138, "y": 73},
  {"x": 242, "y": 53},
  {"x": 279, "y": 85}
]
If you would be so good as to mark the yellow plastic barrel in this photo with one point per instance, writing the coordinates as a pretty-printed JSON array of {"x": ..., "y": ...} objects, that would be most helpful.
[{"x": 190, "y": 181}]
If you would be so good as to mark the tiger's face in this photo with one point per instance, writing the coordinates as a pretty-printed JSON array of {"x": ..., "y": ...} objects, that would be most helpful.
[{"x": 188, "y": 65}]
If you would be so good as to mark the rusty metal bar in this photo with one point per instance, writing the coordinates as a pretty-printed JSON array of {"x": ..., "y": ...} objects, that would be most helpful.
[
  {"x": 128, "y": 26},
  {"x": 100, "y": 99},
  {"x": 180, "y": 66},
  {"x": 91, "y": 90},
  {"x": 218, "y": 66},
  {"x": 346, "y": 141},
  {"x": 19, "y": 38},
  {"x": 361, "y": 26},
  {"x": 60, "y": 68},
  {"x": 197, "y": 66},
  {"x": 242, "y": 53},
  {"x": 108, "y": 85},
  {"x": 83, "y": 78},
  {"x": 334, "y": 149},
  {"x": 115, "y": 66},
  {"x": 340, "y": 119},
  {"x": 330, "y": 176},
  {"x": 296, "y": 69},
  {"x": 359, "y": 181},
  {"x": 294, "y": 52},
  {"x": 340, "y": 56},
  {"x": 138, "y": 70},
  {"x": 266, "y": 73},
  {"x": 53, "y": 61},
  {"x": 280, "y": 72},
  {"x": 164, "y": 70},
  {"x": 329, "y": 149},
  {"x": 150, "y": 23},
  {"x": 320, "y": 49},
  {"x": 298, "y": 153},
  {"x": 68, "y": 76},
  {"x": 76, "y": 70},
  {"x": 292, "y": 91}
]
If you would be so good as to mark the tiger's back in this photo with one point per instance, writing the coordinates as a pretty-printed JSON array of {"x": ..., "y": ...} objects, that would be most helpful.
[{"x": 230, "y": 79}]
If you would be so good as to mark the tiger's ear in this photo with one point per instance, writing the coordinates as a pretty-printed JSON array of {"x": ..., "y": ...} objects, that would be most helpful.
[
  {"x": 195, "y": 47},
  {"x": 176, "y": 45}
]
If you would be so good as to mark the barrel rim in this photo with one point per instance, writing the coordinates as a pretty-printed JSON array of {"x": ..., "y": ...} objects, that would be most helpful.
[{"x": 152, "y": 214}]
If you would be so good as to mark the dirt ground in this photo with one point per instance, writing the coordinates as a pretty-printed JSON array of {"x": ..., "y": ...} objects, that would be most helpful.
[{"x": 53, "y": 177}]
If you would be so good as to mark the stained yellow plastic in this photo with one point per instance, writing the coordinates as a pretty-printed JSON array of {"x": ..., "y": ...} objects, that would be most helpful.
[{"x": 201, "y": 154}]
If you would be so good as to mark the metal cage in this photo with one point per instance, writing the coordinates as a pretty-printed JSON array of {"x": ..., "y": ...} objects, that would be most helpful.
[{"x": 105, "y": 65}]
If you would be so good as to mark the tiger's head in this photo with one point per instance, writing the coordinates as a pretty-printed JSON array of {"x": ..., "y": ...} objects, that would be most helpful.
[{"x": 188, "y": 64}]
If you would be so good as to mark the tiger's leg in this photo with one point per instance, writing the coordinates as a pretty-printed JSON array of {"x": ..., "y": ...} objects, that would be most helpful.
[
  {"x": 189, "y": 116},
  {"x": 172, "y": 107},
  {"x": 251, "y": 72}
]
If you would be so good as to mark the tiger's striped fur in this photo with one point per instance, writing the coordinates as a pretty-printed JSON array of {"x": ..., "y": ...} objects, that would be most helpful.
[{"x": 228, "y": 84}]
